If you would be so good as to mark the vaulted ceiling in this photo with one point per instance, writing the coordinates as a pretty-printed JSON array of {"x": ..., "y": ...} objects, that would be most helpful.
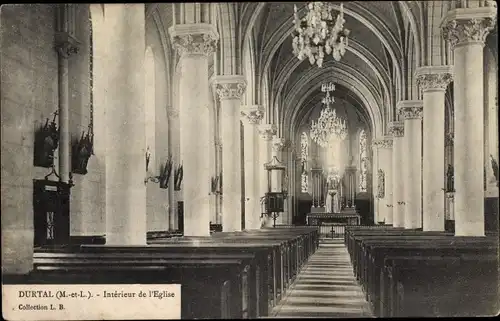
[
  {"x": 367, "y": 76},
  {"x": 377, "y": 43}
]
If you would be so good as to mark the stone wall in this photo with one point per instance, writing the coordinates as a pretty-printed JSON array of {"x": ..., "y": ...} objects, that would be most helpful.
[{"x": 29, "y": 95}]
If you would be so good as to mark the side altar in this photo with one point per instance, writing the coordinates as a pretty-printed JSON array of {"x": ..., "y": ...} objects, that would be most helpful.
[{"x": 348, "y": 216}]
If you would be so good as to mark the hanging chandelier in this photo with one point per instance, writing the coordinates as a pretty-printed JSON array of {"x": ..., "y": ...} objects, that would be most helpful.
[
  {"x": 328, "y": 126},
  {"x": 318, "y": 33}
]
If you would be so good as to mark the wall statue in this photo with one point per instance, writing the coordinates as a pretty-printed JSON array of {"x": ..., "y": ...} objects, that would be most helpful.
[
  {"x": 450, "y": 179},
  {"x": 381, "y": 184}
]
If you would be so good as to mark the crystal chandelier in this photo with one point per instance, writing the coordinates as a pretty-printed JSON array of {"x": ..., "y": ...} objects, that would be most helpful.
[
  {"x": 328, "y": 125},
  {"x": 319, "y": 33}
]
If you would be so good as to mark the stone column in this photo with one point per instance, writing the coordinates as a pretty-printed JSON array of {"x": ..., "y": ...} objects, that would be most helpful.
[
  {"x": 411, "y": 111},
  {"x": 384, "y": 179},
  {"x": 125, "y": 126},
  {"x": 253, "y": 116},
  {"x": 219, "y": 200},
  {"x": 66, "y": 46},
  {"x": 466, "y": 30},
  {"x": 396, "y": 130},
  {"x": 194, "y": 43},
  {"x": 267, "y": 131},
  {"x": 433, "y": 81},
  {"x": 173, "y": 137},
  {"x": 230, "y": 89},
  {"x": 278, "y": 145},
  {"x": 376, "y": 201}
]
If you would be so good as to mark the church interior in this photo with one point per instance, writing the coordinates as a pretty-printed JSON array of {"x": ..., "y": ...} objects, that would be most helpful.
[{"x": 276, "y": 159}]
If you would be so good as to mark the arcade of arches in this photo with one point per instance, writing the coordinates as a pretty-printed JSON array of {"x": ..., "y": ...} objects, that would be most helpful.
[{"x": 210, "y": 92}]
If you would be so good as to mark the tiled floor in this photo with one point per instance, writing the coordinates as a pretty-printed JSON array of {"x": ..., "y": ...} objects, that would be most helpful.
[{"x": 326, "y": 287}]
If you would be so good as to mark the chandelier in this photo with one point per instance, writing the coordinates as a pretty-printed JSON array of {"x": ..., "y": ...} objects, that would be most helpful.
[
  {"x": 319, "y": 33},
  {"x": 328, "y": 126}
]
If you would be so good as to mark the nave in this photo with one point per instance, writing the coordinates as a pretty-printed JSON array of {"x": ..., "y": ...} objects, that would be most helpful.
[
  {"x": 375, "y": 271},
  {"x": 326, "y": 287},
  {"x": 107, "y": 177}
]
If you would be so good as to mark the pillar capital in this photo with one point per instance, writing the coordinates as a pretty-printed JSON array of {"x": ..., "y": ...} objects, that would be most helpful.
[
  {"x": 229, "y": 86},
  {"x": 194, "y": 39},
  {"x": 410, "y": 109},
  {"x": 253, "y": 114},
  {"x": 267, "y": 131},
  {"x": 430, "y": 78},
  {"x": 278, "y": 143},
  {"x": 397, "y": 129},
  {"x": 385, "y": 142},
  {"x": 66, "y": 45},
  {"x": 468, "y": 25}
]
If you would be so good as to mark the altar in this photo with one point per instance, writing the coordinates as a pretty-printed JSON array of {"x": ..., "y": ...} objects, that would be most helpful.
[{"x": 348, "y": 216}]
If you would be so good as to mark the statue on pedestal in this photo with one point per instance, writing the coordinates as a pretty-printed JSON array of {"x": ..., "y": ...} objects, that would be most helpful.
[
  {"x": 450, "y": 179},
  {"x": 329, "y": 202}
]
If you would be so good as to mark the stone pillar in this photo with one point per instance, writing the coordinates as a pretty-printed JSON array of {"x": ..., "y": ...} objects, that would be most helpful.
[
  {"x": 491, "y": 123},
  {"x": 267, "y": 131},
  {"x": 384, "y": 179},
  {"x": 411, "y": 111},
  {"x": 466, "y": 30},
  {"x": 194, "y": 43},
  {"x": 433, "y": 81},
  {"x": 230, "y": 89},
  {"x": 376, "y": 201},
  {"x": 278, "y": 145},
  {"x": 66, "y": 46},
  {"x": 219, "y": 200},
  {"x": 252, "y": 115},
  {"x": 125, "y": 126},
  {"x": 396, "y": 130},
  {"x": 173, "y": 137}
]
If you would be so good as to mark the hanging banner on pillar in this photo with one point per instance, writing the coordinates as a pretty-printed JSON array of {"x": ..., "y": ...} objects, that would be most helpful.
[{"x": 91, "y": 302}]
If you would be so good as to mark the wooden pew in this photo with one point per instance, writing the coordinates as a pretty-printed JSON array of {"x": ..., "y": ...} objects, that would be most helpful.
[
  {"x": 283, "y": 260},
  {"x": 375, "y": 250},
  {"x": 412, "y": 249},
  {"x": 266, "y": 278},
  {"x": 356, "y": 239},
  {"x": 235, "y": 244},
  {"x": 224, "y": 281},
  {"x": 437, "y": 286}
]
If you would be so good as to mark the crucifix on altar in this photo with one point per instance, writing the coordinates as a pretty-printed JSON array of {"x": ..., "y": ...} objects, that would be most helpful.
[{"x": 334, "y": 191}]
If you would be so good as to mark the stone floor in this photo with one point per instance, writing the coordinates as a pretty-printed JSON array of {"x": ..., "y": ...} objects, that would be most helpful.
[{"x": 325, "y": 288}]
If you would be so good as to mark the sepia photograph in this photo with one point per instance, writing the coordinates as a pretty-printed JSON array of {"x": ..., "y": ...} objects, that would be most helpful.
[{"x": 245, "y": 160}]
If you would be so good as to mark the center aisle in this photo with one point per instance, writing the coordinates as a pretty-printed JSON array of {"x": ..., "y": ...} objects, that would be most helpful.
[{"x": 326, "y": 287}]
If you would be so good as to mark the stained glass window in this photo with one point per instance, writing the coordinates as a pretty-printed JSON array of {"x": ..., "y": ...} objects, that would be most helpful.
[
  {"x": 304, "y": 145},
  {"x": 363, "y": 161}
]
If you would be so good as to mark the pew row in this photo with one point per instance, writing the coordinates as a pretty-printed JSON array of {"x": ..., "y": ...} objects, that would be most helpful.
[
  {"x": 247, "y": 272},
  {"x": 391, "y": 292}
]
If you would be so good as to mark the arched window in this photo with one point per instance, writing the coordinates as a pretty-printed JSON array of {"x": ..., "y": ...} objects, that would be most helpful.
[
  {"x": 304, "y": 145},
  {"x": 150, "y": 107},
  {"x": 363, "y": 161}
]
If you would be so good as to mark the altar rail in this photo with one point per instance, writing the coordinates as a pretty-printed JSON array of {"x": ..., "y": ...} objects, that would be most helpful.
[{"x": 327, "y": 230}]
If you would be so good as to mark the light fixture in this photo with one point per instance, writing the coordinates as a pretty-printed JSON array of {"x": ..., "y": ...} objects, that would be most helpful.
[
  {"x": 328, "y": 126},
  {"x": 318, "y": 33}
]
